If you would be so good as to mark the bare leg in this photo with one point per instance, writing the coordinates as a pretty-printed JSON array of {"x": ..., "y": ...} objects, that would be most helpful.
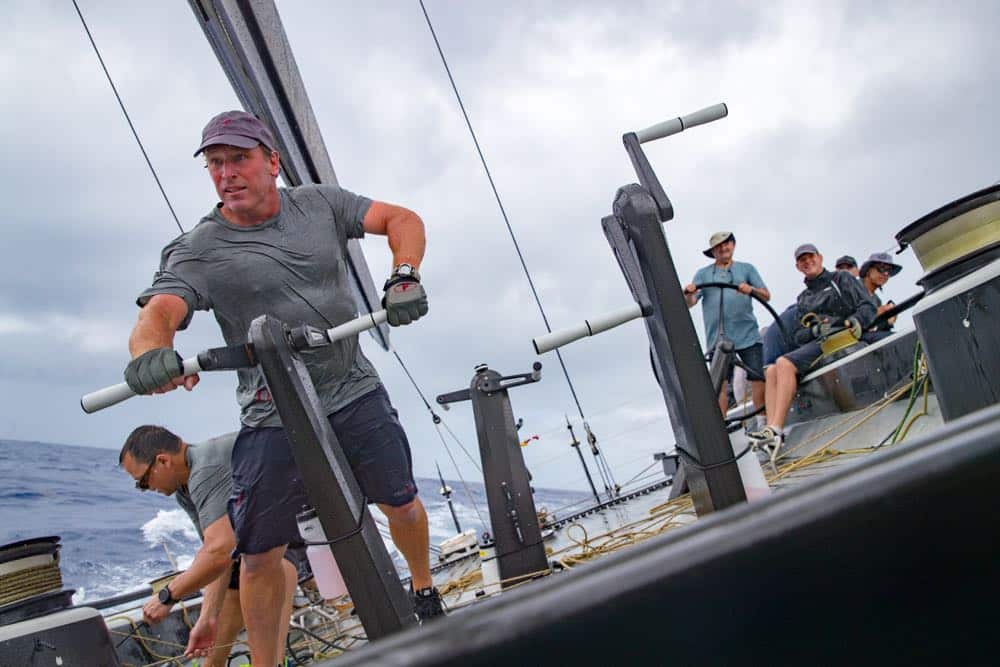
[
  {"x": 757, "y": 390},
  {"x": 262, "y": 597},
  {"x": 230, "y": 623},
  {"x": 724, "y": 398},
  {"x": 770, "y": 385},
  {"x": 408, "y": 527},
  {"x": 291, "y": 581},
  {"x": 782, "y": 382}
]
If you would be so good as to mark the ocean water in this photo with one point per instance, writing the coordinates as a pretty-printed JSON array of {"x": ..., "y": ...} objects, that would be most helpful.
[{"x": 115, "y": 539}]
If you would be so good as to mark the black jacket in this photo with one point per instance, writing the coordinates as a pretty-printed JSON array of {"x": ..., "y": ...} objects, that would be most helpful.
[{"x": 837, "y": 295}]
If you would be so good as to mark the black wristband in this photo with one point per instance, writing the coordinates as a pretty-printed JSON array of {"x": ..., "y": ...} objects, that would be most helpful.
[
  {"x": 396, "y": 279},
  {"x": 166, "y": 597}
]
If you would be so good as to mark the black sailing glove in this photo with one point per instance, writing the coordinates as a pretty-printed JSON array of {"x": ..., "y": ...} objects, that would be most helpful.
[
  {"x": 405, "y": 300},
  {"x": 802, "y": 335},
  {"x": 153, "y": 369},
  {"x": 820, "y": 330}
]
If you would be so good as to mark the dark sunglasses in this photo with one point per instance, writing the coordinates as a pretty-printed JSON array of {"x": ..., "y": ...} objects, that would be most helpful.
[
  {"x": 885, "y": 270},
  {"x": 143, "y": 482}
]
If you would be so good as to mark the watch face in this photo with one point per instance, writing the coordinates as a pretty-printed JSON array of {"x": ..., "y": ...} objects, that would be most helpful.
[
  {"x": 404, "y": 270},
  {"x": 164, "y": 595}
]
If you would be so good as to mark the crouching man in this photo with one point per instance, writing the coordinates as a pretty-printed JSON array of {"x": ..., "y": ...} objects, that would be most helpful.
[
  {"x": 199, "y": 477},
  {"x": 837, "y": 299}
]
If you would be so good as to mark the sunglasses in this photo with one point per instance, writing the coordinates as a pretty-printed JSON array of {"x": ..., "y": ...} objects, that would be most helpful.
[
  {"x": 143, "y": 482},
  {"x": 885, "y": 270}
]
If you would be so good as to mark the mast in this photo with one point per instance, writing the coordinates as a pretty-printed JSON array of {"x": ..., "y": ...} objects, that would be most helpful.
[{"x": 446, "y": 492}]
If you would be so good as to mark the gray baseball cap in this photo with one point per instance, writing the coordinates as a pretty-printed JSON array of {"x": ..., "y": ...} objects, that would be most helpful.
[
  {"x": 805, "y": 248},
  {"x": 845, "y": 260},
  {"x": 235, "y": 128}
]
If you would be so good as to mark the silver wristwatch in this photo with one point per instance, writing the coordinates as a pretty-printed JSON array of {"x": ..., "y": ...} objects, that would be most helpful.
[{"x": 405, "y": 270}]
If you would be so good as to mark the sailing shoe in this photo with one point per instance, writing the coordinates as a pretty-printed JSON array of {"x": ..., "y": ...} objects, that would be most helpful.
[
  {"x": 427, "y": 603},
  {"x": 770, "y": 440}
]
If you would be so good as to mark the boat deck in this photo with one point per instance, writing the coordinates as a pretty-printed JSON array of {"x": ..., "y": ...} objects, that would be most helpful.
[{"x": 579, "y": 535}]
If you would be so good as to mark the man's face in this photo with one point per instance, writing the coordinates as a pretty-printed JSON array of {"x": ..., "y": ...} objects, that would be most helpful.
[
  {"x": 810, "y": 264},
  {"x": 723, "y": 252},
  {"x": 155, "y": 476},
  {"x": 244, "y": 178}
]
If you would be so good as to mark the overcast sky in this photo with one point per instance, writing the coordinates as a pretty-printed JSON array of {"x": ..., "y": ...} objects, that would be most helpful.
[{"x": 847, "y": 122}]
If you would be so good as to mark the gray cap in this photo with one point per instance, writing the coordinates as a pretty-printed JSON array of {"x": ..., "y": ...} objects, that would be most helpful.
[
  {"x": 880, "y": 258},
  {"x": 235, "y": 128},
  {"x": 716, "y": 239},
  {"x": 845, "y": 260},
  {"x": 805, "y": 248}
]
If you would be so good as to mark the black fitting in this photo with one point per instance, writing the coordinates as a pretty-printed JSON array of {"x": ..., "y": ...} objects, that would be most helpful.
[{"x": 305, "y": 337}]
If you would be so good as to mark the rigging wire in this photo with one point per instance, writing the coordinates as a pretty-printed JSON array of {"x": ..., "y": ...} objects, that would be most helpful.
[
  {"x": 503, "y": 212},
  {"x": 562, "y": 427},
  {"x": 127, "y": 118},
  {"x": 437, "y": 427},
  {"x": 437, "y": 418},
  {"x": 468, "y": 491}
]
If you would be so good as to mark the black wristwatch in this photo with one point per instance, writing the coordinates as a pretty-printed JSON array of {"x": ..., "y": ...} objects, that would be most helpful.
[{"x": 165, "y": 596}]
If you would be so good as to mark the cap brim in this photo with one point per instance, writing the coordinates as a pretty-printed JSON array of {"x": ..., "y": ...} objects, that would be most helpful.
[
  {"x": 237, "y": 140},
  {"x": 895, "y": 268},
  {"x": 708, "y": 253}
]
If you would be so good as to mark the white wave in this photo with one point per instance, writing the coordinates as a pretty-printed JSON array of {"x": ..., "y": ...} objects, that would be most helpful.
[
  {"x": 169, "y": 526},
  {"x": 442, "y": 526}
]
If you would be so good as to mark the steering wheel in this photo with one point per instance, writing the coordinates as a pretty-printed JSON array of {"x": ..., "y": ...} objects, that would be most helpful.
[{"x": 777, "y": 320}]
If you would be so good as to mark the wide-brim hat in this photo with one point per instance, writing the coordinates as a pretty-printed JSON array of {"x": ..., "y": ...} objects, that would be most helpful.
[
  {"x": 716, "y": 239},
  {"x": 880, "y": 258}
]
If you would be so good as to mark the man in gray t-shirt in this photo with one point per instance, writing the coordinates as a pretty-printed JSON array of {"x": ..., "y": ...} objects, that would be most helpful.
[
  {"x": 283, "y": 252},
  {"x": 292, "y": 266},
  {"x": 199, "y": 477}
]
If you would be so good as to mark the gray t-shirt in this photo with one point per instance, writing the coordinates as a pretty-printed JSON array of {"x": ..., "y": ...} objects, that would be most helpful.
[
  {"x": 210, "y": 481},
  {"x": 293, "y": 267}
]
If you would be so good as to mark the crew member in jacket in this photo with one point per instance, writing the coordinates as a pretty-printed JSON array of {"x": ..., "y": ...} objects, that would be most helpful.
[
  {"x": 838, "y": 299},
  {"x": 875, "y": 273}
]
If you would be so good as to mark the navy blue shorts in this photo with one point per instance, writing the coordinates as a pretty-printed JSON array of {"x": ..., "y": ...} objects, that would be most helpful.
[
  {"x": 753, "y": 358},
  {"x": 805, "y": 357},
  {"x": 775, "y": 344},
  {"x": 268, "y": 491}
]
